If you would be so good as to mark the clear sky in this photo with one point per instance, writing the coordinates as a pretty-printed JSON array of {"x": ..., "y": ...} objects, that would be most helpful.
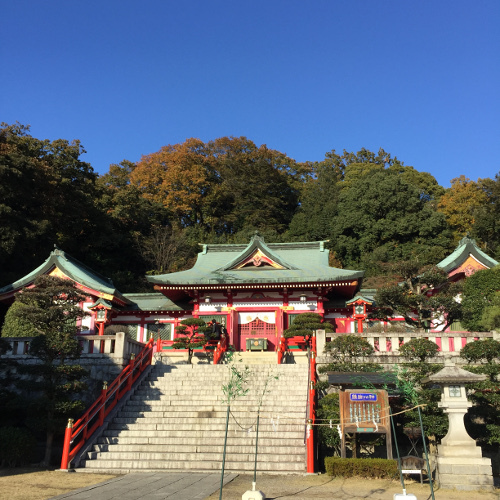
[{"x": 419, "y": 78}]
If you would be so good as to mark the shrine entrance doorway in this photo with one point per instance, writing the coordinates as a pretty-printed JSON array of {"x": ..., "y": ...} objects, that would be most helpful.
[{"x": 257, "y": 331}]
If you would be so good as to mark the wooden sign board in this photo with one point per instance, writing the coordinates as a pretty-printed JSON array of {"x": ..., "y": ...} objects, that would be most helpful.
[{"x": 365, "y": 410}]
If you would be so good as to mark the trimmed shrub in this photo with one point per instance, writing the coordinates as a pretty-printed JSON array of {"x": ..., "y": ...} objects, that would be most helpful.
[
  {"x": 379, "y": 468},
  {"x": 17, "y": 446}
]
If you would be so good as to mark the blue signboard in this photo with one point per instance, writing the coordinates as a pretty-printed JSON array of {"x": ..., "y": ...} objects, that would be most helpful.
[{"x": 362, "y": 396}]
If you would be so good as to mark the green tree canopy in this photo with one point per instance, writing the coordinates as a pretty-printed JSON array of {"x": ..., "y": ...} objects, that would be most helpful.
[
  {"x": 383, "y": 217},
  {"x": 306, "y": 324},
  {"x": 478, "y": 295},
  {"x": 423, "y": 296},
  {"x": 52, "y": 308},
  {"x": 419, "y": 350}
]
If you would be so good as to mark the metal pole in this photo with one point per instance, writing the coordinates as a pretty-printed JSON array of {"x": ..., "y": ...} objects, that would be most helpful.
[
  {"x": 224, "y": 454},
  {"x": 397, "y": 451},
  {"x": 426, "y": 455},
  {"x": 256, "y": 443}
]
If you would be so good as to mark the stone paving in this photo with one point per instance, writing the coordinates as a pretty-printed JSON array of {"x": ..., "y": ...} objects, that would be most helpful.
[{"x": 152, "y": 486}]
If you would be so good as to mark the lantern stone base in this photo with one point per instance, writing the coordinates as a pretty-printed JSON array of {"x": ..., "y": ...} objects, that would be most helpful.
[{"x": 463, "y": 473}]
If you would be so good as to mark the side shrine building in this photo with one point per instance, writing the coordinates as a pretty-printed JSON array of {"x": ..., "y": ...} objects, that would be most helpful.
[{"x": 254, "y": 291}]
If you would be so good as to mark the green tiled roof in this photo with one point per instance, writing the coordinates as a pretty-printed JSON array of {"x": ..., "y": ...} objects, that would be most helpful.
[
  {"x": 465, "y": 248},
  {"x": 154, "y": 302},
  {"x": 73, "y": 269},
  {"x": 302, "y": 262}
]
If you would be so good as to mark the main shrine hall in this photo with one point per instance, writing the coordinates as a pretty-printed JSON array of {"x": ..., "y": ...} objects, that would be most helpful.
[{"x": 253, "y": 290}]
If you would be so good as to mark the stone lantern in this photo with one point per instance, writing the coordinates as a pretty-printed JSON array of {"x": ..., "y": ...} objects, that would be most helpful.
[{"x": 460, "y": 463}]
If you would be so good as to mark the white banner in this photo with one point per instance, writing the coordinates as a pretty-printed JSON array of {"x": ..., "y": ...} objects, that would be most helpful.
[{"x": 248, "y": 317}]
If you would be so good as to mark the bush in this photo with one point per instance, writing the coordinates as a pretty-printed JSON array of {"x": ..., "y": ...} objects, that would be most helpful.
[
  {"x": 479, "y": 350},
  {"x": 15, "y": 324},
  {"x": 379, "y": 468},
  {"x": 419, "y": 350},
  {"x": 17, "y": 446}
]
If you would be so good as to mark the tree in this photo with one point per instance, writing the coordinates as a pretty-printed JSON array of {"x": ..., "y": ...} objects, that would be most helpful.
[
  {"x": 460, "y": 204},
  {"x": 478, "y": 295},
  {"x": 381, "y": 217},
  {"x": 487, "y": 217},
  {"x": 192, "y": 331},
  {"x": 47, "y": 196},
  {"x": 52, "y": 308},
  {"x": 223, "y": 186},
  {"x": 419, "y": 350},
  {"x": 15, "y": 323},
  {"x": 305, "y": 325},
  {"x": 481, "y": 351},
  {"x": 347, "y": 352},
  {"x": 484, "y": 417},
  {"x": 424, "y": 297}
]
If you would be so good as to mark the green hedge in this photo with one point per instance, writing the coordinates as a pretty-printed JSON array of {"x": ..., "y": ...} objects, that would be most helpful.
[
  {"x": 362, "y": 467},
  {"x": 17, "y": 446}
]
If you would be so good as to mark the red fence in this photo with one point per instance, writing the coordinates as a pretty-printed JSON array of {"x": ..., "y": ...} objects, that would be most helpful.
[
  {"x": 77, "y": 435},
  {"x": 217, "y": 348}
]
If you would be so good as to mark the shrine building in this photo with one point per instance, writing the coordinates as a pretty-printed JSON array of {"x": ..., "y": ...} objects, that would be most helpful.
[{"x": 254, "y": 290}]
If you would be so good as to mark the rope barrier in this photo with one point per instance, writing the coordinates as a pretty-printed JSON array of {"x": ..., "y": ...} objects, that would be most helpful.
[{"x": 331, "y": 423}]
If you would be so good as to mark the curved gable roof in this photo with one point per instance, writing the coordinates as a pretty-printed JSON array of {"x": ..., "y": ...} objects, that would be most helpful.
[
  {"x": 74, "y": 270},
  {"x": 299, "y": 262},
  {"x": 466, "y": 248}
]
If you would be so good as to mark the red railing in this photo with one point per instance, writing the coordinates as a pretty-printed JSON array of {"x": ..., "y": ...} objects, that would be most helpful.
[
  {"x": 77, "y": 435},
  {"x": 215, "y": 347},
  {"x": 281, "y": 350},
  {"x": 311, "y": 420},
  {"x": 221, "y": 348}
]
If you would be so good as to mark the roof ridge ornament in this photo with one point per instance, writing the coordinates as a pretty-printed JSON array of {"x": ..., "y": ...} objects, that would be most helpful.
[{"x": 257, "y": 237}]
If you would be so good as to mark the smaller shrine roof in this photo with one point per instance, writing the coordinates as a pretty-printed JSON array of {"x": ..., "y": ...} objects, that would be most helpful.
[
  {"x": 467, "y": 247},
  {"x": 71, "y": 268},
  {"x": 154, "y": 302}
]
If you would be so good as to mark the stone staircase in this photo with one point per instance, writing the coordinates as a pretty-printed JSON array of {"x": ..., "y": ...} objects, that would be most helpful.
[{"x": 176, "y": 420}]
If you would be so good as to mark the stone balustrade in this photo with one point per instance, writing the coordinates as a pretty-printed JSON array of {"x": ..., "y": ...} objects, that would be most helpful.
[
  {"x": 447, "y": 342},
  {"x": 103, "y": 356}
]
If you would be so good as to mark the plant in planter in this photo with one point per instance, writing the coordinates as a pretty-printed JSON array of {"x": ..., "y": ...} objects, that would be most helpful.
[
  {"x": 305, "y": 325},
  {"x": 193, "y": 334}
]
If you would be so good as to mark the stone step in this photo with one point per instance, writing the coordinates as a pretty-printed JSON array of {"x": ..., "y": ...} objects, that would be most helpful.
[
  {"x": 183, "y": 448},
  {"x": 125, "y": 466},
  {"x": 214, "y": 456},
  {"x": 177, "y": 413},
  {"x": 243, "y": 440},
  {"x": 204, "y": 434},
  {"x": 191, "y": 427},
  {"x": 176, "y": 420}
]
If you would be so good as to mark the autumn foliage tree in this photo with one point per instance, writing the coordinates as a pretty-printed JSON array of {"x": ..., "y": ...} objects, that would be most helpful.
[{"x": 460, "y": 204}]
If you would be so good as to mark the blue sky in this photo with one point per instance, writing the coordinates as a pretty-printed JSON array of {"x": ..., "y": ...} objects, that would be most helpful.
[{"x": 420, "y": 79}]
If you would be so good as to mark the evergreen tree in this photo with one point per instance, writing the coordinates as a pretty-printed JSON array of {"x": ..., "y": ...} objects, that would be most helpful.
[{"x": 51, "y": 306}]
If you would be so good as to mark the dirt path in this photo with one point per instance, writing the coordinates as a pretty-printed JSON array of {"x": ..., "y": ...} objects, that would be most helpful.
[
  {"x": 327, "y": 488},
  {"x": 34, "y": 484}
]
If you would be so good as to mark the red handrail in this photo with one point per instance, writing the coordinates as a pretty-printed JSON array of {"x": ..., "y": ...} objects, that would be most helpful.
[
  {"x": 311, "y": 407},
  {"x": 77, "y": 434},
  {"x": 220, "y": 349},
  {"x": 282, "y": 346}
]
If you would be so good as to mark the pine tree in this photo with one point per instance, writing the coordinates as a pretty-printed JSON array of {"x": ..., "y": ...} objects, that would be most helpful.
[{"x": 51, "y": 306}]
